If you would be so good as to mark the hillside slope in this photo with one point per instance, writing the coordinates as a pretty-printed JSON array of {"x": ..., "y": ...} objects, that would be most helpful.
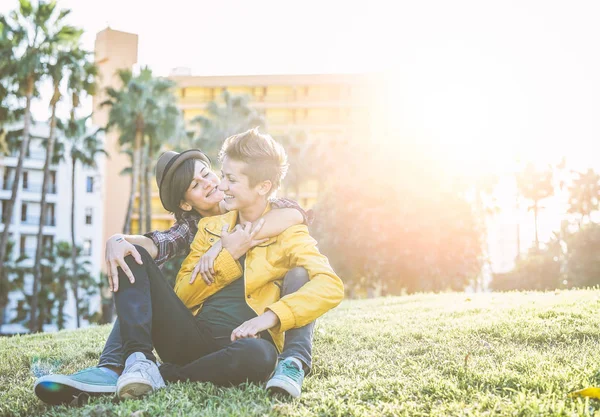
[{"x": 447, "y": 354}]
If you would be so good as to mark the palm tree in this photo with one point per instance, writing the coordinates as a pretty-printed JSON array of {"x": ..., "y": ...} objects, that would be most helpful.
[
  {"x": 167, "y": 126},
  {"x": 133, "y": 110},
  {"x": 300, "y": 149},
  {"x": 11, "y": 266},
  {"x": 35, "y": 31},
  {"x": 62, "y": 273},
  {"x": 584, "y": 194},
  {"x": 81, "y": 80},
  {"x": 223, "y": 121},
  {"x": 64, "y": 278},
  {"x": 130, "y": 107},
  {"x": 9, "y": 110},
  {"x": 63, "y": 60},
  {"x": 85, "y": 147},
  {"x": 535, "y": 185}
]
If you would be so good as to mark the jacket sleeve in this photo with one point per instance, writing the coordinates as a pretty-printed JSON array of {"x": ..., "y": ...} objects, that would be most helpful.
[
  {"x": 226, "y": 269},
  {"x": 323, "y": 292}
]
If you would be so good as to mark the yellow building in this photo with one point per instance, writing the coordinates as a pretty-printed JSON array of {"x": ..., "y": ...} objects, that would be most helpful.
[{"x": 324, "y": 107}]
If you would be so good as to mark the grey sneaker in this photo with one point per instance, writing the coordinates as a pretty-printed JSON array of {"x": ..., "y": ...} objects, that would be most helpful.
[
  {"x": 139, "y": 377},
  {"x": 61, "y": 389},
  {"x": 288, "y": 378}
]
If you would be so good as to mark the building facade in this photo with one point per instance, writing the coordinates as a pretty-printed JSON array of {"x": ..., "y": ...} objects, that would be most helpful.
[
  {"x": 89, "y": 215},
  {"x": 114, "y": 50},
  {"x": 322, "y": 107}
]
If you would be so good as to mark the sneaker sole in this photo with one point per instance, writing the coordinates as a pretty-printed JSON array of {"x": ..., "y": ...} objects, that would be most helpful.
[
  {"x": 277, "y": 386},
  {"x": 58, "y": 389},
  {"x": 134, "y": 389}
]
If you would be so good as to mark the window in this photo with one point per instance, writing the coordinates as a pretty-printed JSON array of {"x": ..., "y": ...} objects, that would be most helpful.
[
  {"x": 4, "y": 211},
  {"x": 50, "y": 220},
  {"x": 23, "y": 212},
  {"x": 90, "y": 184},
  {"x": 88, "y": 215},
  {"x": 22, "y": 246},
  {"x": 52, "y": 185},
  {"x": 48, "y": 242},
  {"x": 25, "y": 180},
  {"x": 87, "y": 247}
]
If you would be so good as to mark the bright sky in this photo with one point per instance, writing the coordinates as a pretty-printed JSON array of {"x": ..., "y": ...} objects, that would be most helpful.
[
  {"x": 483, "y": 81},
  {"x": 489, "y": 75}
]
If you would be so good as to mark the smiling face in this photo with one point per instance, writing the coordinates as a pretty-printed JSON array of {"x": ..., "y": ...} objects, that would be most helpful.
[
  {"x": 202, "y": 194},
  {"x": 239, "y": 194}
]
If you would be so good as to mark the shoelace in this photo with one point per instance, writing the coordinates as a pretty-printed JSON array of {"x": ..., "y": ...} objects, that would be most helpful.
[
  {"x": 144, "y": 367},
  {"x": 291, "y": 370},
  {"x": 137, "y": 367}
]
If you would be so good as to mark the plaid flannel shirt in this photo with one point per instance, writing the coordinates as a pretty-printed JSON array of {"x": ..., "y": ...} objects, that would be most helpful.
[{"x": 177, "y": 240}]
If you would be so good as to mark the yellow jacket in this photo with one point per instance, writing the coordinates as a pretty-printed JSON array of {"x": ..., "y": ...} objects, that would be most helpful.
[{"x": 265, "y": 268}]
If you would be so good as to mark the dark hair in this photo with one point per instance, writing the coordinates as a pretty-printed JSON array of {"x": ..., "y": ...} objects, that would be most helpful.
[{"x": 182, "y": 177}]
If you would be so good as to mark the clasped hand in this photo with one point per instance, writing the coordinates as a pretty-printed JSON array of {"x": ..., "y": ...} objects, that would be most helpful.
[{"x": 237, "y": 242}]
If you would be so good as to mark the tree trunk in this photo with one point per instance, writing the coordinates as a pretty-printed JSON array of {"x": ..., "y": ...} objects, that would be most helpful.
[
  {"x": 74, "y": 282},
  {"x": 518, "y": 257},
  {"x": 37, "y": 267},
  {"x": 147, "y": 177},
  {"x": 135, "y": 172},
  {"x": 535, "y": 219},
  {"x": 142, "y": 208},
  {"x": 127, "y": 225},
  {"x": 17, "y": 179},
  {"x": 60, "y": 319},
  {"x": 2, "y": 308}
]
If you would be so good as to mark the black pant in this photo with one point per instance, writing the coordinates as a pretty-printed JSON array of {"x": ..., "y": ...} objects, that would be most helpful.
[{"x": 151, "y": 315}]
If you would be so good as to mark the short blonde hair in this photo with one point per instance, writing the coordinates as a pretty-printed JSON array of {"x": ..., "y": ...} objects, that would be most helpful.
[{"x": 265, "y": 157}]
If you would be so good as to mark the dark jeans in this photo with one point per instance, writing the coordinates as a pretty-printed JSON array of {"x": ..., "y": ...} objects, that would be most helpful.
[{"x": 151, "y": 315}]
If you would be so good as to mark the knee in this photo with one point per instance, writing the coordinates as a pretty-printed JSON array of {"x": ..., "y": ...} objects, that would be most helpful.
[
  {"x": 294, "y": 280},
  {"x": 259, "y": 357},
  {"x": 134, "y": 267},
  {"x": 143, "y": 253},
  {"x": 130, "y": 260}
]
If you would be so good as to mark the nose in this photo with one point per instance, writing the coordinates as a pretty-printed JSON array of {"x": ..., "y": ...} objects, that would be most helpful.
[{"x": 223, "y": 185}]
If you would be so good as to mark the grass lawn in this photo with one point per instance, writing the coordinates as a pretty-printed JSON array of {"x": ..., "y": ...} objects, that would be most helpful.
[{"x": 509, "y": 354}]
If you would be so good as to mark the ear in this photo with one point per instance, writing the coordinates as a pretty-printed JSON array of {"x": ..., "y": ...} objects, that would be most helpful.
[
  {"x": 264, "y": 187},
  {"x": 185, "y": 206}
]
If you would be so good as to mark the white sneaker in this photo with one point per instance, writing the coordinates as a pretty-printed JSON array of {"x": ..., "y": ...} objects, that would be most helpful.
[{"x": 140, "y": 376}]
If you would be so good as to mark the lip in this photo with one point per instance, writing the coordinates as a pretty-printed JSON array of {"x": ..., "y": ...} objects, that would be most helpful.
[{"x": 211, "y": 192}]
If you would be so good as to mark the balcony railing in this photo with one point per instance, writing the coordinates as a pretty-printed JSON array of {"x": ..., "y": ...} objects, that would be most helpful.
[
  {"x": 37, "y": 155},
  {"x": 37, "y": 188},
  {"x": 29, "y": 252},
  {"x": 32, "y": 188},
  {"x": 31, "y": 220},
  {"x": 35, "y": 220}
]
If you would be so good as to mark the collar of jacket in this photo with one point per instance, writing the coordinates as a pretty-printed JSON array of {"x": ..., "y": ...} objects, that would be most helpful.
[{"x": 230, "y": 218}]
